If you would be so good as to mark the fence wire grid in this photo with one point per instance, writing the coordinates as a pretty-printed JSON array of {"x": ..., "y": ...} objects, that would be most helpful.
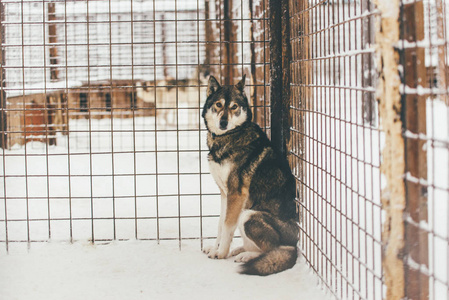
[
  {"x": 102, "y": 137},
  {"x": 336, "y": 144},
  {"x": 102, "y": 134}
]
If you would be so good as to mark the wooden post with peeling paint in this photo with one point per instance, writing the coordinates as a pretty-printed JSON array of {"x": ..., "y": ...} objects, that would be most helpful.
[
  {"x": 393, "y": 166},
  {"x": 400, "y": 111}
]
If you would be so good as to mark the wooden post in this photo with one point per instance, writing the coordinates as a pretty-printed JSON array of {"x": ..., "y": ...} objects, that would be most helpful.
[
  {"x": 402, "y": 111},
  {"x": 51, "y": 101},
  {"x": 280, "y": 55},
  {"x": 52, "y": 40},
  {"x": 393, "y": 165},
  {"x": 210, "y": 41},
  {"x": 253, "y": 65},
  {"x": 414, "y": 121},
  {"x": 229, "y": 38},
  {"x": 442, "y": 51},
  {"x": 3, "y": 123},
  {"x": 164, "y": 47}
]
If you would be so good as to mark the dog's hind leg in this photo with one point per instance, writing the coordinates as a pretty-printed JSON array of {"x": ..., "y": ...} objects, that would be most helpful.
[
  {"x": 246, "y": 256},
  {"x": 248, "y": 244},
  {"x": 276, "y": 241},
  {"x": 259, "y": 232},
  {"x": 237, "y": 251}
]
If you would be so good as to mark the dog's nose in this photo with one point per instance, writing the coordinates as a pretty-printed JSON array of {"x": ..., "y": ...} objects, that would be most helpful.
[{"x": 223, "y": 124}]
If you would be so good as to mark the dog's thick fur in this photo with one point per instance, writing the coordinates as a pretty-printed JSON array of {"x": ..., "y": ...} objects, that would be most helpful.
[{"x": 256, "y": 184}]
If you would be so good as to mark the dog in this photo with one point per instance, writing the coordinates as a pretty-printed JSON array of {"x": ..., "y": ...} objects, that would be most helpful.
[{"x": 256, "y": 185}]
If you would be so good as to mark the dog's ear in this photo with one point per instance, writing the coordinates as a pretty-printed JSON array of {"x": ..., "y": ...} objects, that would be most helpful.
[
  {"x": 213, "y": 86},
  {"x": 241, "y": 84}
]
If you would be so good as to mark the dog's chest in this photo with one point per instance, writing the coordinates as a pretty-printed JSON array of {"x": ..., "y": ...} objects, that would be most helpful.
[{"x": 220, "y": 172}]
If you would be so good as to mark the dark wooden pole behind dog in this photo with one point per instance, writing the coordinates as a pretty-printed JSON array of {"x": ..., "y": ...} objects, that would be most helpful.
[{"x": 280, "y": 55}]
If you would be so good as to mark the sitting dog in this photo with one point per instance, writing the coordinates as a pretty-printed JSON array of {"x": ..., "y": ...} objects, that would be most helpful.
[{"x": 256, "y": 184}]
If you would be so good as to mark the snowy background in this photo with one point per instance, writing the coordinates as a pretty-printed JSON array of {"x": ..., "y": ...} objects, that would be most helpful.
[
  {"x": 147, "y": 182},
  {"x": 103, "y": 200}
]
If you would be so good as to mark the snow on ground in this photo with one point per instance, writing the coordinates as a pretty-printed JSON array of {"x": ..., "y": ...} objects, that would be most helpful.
[
  {"x": 141, "y": 270},
  {"x": 116, "y": 179}
]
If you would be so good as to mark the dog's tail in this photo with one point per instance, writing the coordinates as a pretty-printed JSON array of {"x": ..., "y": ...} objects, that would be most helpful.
[{"x": 273, "y": 261}]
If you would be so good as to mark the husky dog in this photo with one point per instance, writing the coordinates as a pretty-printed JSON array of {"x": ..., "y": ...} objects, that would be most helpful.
[{"x": 256, "y": 184}]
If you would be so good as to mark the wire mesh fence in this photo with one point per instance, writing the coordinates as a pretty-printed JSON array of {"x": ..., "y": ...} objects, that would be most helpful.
[
  {"x": 102, "y": 137},
  {"x": 336, "y": 144}
]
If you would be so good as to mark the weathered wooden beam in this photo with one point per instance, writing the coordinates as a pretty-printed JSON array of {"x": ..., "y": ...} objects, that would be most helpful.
[
  {"x": 403, "y": 201},
  {"x": 280, "y": 55},
  {"x": 229, "y": 36},
  {"x": 393, "y": 165},
  {"x": 414, "y": 120},
  {"x": 52, "y": 40}
]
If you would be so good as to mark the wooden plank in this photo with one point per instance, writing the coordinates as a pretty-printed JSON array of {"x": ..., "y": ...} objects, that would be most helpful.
[
  {"x": 229, "y": 38},
  {"x": 393, "y": 165},
  {"x": 52, "y": 40},
  {"x": 414, "y": 110}
]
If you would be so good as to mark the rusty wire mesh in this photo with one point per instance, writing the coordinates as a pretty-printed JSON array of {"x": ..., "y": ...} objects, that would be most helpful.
[
  {"x": 335, "y": 144},
  {"x": 102, "y": 137},
  {"x": 101, "y": 128}
]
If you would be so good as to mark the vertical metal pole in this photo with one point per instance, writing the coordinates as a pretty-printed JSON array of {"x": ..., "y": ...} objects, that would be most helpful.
[
  {"x": 414, "y": 121},
  {"x": 280, "y": 74},
  {"x": 3, "y": 123}
]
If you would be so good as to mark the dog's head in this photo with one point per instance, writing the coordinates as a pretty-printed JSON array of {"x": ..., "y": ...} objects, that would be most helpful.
[{"x": 226, "y": 107}]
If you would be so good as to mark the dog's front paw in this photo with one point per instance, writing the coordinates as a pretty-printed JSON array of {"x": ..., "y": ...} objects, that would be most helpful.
[
  {"x": 218, "y": 254},
  {"x": 221, "y": 254},
  {"x": 210, "y": 249},
  {"x": 214, "y": 253}
]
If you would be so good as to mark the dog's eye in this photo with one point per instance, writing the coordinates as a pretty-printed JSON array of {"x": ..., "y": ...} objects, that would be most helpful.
[
  {"x": 234, "y": 106},
  {"x": 218, "y": 104}
]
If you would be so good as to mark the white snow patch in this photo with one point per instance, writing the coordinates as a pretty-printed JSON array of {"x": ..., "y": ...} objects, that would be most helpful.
[{"x": 141, "y": 270}]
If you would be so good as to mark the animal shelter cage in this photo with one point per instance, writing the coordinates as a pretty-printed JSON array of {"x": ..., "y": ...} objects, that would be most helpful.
[{"x": 102, "y": 136}]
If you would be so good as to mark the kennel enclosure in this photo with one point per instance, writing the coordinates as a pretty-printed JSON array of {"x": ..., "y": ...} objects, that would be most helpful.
[{"x": 102, "y": 136}]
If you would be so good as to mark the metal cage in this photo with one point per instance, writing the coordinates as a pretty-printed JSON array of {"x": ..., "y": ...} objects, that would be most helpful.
[{"x": 102, "y": 136}]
